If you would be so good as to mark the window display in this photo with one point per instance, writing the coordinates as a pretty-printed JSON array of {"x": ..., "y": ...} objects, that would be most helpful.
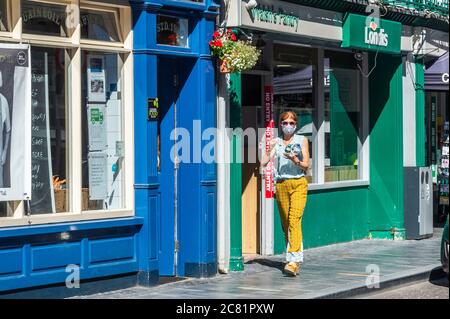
[
  {"x": 102, "y": 132},
  {"x": 77, "y": 132},
  {"x": 49, "y": 142},
  {"x": 342, "y": 116}
]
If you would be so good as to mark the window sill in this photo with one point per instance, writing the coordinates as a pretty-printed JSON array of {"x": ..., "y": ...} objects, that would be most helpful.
[
  {"x": 336, "y": 185},
  {"x": 45, "y": 220}
]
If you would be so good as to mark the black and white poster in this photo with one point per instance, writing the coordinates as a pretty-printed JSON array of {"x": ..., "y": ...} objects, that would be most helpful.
[
  {"x": 96, "y": 79},
  {"x": 15, "y": 122}
]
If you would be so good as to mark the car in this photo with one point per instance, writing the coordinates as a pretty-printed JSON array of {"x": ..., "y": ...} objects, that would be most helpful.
[{"x": 444, "y": 248}]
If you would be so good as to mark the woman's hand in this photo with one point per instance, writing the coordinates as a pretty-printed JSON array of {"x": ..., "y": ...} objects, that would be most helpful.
[{"x": 292, "y": 157}]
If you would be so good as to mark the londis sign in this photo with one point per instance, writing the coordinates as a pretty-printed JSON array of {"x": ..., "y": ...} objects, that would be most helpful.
[{"x": 371, "y": 34}]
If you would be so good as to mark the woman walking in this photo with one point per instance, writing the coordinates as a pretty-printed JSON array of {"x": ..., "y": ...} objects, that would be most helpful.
[{"x": 291, "y": 154}]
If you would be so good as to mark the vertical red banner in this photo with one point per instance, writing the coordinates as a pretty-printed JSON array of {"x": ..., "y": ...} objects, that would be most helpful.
[{"x": 269, "y": 123}]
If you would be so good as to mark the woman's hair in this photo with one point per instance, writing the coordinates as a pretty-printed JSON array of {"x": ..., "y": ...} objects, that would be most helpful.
[{"x": 288, "y": 114}]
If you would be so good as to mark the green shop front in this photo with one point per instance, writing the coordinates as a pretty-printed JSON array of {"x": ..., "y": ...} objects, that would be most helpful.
[{"x": 342, "y": 74}]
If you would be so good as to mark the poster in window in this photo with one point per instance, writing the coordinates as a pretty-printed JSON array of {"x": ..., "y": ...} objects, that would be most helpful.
[
  {"x": 42, "y": 192},
  {"x": 15, "y": 122},
  {"x": 97, "y": 162},
  {"x": 96, "y": 79},
  {"x": 96, "y": 117}
]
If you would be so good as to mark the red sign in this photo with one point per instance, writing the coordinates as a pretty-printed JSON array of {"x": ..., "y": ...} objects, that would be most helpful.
[{"x": 268, "y": 116}]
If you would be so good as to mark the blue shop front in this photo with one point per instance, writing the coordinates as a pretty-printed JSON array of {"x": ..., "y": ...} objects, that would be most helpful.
[
  {"x": 92, "y": 194},
  {"x": 175, "y": 100}
]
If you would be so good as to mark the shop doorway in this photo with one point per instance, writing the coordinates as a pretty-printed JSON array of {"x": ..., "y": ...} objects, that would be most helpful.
[
  {"x": 252, "y": 91},
  {"x": 172, "y": 78}
]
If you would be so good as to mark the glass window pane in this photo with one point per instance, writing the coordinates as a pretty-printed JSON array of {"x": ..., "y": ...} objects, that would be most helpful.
[
  {"x": 50, "y": 186},
  {"x": 172, "y": 31},
  {"x": 294, "y": 89},
  {"x": 3, "y": 15},
  {"x": 342, "y": 116},
  {"x": 44, "y": 19},
  {"x": 102, "y": 127},
  {"x": 99, "y": 25}
]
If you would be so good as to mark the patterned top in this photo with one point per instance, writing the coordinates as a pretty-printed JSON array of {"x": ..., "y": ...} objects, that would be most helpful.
[{"x": 284, "y": 167}]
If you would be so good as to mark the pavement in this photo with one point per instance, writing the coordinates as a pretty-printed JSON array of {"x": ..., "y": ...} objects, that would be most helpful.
[
  {"x": 336, "y": 271},
  {"x": 431, "y": 289}
]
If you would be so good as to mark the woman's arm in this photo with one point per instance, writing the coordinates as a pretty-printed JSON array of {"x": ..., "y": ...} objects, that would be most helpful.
[
  {"x": 267, "y": 156},
  {"x": 305, "y": 162}
]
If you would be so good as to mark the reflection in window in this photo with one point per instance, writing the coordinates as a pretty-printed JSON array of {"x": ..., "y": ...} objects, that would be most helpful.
[
  {"x": 99, "y": 25},
  {"x": 294, "y": 88},
  {"x": 342, "y": 116},
  {"x": 3, "y": 15},
  {"x": 102, "y": 132},
  {"x": 49, "y": 143},
  {"x": 44, "y": 19},
  {"x": 172, "y": 31}
]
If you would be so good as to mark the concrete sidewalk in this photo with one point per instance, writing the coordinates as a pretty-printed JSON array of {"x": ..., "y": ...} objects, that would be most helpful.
[{"x": 335, "y": 271}]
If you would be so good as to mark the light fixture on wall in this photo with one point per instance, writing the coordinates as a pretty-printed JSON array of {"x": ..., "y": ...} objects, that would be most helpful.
[
  {"x": 359, "y": 56},
  {"x": 251, "y": 4}
]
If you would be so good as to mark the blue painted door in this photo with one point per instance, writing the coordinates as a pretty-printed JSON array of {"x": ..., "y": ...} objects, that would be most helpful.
[
  {"x": 168, "y": 95},
  {"x": 175, "y": 99}
]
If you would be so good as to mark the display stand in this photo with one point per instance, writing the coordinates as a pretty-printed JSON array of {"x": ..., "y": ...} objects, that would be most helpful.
[{"x": 443, "y": 170}]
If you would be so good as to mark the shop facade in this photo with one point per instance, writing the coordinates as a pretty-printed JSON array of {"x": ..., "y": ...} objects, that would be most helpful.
[
  {"x": 175, "y": 100},
  {"x": 343, "y": 73},
  {"x": 76, "y": 218},
  {"x": 111, "y": 84},
  {"x": 437, "y": 114}
]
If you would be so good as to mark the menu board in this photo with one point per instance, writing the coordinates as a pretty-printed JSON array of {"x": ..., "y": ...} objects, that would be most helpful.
[{"x": 42, "y": 195}]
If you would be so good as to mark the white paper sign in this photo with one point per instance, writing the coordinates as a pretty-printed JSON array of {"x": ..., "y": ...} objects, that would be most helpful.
[
  {"x": 445, "y": 151},
  {"x": 97, "y": 162}
]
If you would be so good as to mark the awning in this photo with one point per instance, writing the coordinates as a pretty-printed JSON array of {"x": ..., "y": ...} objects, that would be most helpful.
[{"x": 436, "y": 76}]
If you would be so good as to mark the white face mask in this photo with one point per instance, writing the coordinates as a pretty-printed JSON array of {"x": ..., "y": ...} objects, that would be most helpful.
[{"x": 288, "y": 129}]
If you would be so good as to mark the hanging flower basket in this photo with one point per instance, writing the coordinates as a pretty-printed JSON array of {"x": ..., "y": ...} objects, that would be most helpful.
[{"x": 234, "y": 55}]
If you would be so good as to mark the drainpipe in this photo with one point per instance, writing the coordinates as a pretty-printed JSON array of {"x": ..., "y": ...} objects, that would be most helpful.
[{"x": 223, "y": 181}]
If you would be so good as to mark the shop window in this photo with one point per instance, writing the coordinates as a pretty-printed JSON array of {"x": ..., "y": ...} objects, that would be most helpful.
[
  {"x": 102, "y": 130},
  {"x": 343, "y": 87},
  {"x": 4, "y": 15},
  {"x": 49, "y": 145},
  {"x": 172, "y": 31},
  {"x": 294, "y": 89},
  {"x": 99, "y": 25},
  {"x": 44, "y": 18}
]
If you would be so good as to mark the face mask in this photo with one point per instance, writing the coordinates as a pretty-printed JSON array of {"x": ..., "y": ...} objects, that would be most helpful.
[{"x": 289, "y": 130}]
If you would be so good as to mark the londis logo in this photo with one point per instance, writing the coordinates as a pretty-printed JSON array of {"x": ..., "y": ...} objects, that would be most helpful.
[{"x": 375, "y": 36}]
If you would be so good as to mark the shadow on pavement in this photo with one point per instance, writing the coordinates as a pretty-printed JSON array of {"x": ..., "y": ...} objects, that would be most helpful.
[
  {"x": 268, "y": 263},
  {"x": 438, "y": 277}
]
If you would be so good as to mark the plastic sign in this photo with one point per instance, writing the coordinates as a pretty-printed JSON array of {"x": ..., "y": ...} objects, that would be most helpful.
[
  {"x": 375, "y": 36},
  {"x": 270, "y": 125},
  {"x": 384, "y": 36}
]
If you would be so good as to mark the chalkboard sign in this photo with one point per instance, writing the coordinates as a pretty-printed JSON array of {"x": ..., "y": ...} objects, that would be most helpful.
[{"x": 42, "y": 195}]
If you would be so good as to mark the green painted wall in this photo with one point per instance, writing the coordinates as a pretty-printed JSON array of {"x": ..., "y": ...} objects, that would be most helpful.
[
  {"x": 236, "y": 259},
  {"x": 420, "y": 113},
  {"x": 386, "y": 216},
  {"x": 331, "y": 216},
  {"x": 342, "y": 215}
]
